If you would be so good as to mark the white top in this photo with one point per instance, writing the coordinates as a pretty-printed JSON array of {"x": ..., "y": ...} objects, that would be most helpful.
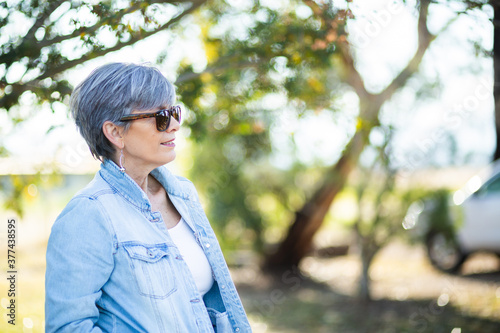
[{"x": 193, "y": 255}]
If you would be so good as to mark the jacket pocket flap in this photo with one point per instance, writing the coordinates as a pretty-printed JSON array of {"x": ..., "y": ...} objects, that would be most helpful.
[{"x": 145, "y": 253}]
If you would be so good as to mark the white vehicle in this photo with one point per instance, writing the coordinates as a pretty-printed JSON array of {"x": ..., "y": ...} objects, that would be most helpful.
[{"x": 473, "y": 221}]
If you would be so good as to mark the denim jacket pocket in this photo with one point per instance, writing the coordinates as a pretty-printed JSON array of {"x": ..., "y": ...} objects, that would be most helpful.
[
  {"x": 152, "y": 269},
  {"x": 220, "y": 321}
]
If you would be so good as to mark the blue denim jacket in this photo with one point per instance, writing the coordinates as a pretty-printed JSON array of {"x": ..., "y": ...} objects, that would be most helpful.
[{"x": 112, "y": 266}]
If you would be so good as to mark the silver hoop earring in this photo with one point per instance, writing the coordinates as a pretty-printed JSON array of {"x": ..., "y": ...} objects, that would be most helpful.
[{"x": 122, "y": 169}]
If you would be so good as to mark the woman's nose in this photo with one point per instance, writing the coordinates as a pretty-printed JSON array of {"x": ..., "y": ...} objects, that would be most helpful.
[{"x": 174, "y": 125}]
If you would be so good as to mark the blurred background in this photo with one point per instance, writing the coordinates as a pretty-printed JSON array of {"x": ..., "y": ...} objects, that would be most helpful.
[{"x": 342, "y": 149}]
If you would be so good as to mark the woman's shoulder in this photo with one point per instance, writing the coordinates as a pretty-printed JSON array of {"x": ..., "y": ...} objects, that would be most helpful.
[
  {"x": 84, "y": 208},
  {"x": 83, "y": 214}
]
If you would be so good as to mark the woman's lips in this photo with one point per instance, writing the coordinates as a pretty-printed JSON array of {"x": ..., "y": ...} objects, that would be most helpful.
[{"x": 169, "y": 143}]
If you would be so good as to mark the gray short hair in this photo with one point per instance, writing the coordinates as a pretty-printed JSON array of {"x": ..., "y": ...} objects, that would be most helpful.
[{"x": 112, "y": 91}]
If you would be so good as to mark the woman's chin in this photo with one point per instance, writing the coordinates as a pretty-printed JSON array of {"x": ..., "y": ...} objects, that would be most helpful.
[{"x": 169, "y": 157}]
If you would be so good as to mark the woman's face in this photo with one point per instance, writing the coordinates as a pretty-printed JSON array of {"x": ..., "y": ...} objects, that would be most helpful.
[{"x": 147, "y": 148}]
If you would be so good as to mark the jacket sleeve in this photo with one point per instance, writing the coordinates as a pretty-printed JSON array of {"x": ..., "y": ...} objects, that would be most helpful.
[{"x": 79, "y": 262}]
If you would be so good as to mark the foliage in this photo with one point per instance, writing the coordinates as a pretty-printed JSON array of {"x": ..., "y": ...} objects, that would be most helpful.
[
  {"x": 42, "y": 39},
  {"x": 277, "y": 52},
  {"x": 382, "y": 205},
  {"x": 439, "y": 214},
  {"x": 18, "y": 190},
  {"x": 432, "y": 213},
  {"x": 300, "y": 54},
  {"x": 274, "y": 56},
  {"x": 381, "y": 208}
]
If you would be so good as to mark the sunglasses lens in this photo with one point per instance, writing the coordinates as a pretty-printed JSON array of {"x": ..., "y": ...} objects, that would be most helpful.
[
  {"x": 163, "y": 118},
  {"x": 162, "y": 121},
  {"x": 176, "y": 113}
]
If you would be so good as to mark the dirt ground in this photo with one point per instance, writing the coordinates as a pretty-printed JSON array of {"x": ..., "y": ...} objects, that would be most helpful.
[{"x": 409, "y": 295}]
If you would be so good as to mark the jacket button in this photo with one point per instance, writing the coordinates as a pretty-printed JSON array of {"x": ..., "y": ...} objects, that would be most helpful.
[
  {"x": 207, "y": 245},
  {"x": 237, "y": 329}
]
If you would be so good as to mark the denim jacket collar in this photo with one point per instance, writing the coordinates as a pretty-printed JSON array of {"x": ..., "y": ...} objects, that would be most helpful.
[{"x": 124, "y": 185}]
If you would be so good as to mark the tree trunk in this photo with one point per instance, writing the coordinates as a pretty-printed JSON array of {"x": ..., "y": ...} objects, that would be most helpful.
[
  {"x": 496, "y": 68},
  {"x": 364, "y": 279},
  {"x": 308, "y": 220}
]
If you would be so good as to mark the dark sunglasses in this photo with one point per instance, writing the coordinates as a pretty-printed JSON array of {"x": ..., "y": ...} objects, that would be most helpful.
[{"x": 162, "y": 117}]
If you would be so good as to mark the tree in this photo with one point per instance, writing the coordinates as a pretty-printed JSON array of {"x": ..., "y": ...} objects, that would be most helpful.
[
  {"x": 303, "y": 59},
  {"x": 381, "y": 206},
  {"x": 297, "y": 57},
  {"x": 42, "y": 39},
  {"x": 309, "y": 218},
  {"x": 495, "y": 53},
  {"x": 496, "y": 70}
]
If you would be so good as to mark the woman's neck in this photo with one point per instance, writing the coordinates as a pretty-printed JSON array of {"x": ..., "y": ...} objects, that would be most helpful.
[{"x": 140, "y": 174}]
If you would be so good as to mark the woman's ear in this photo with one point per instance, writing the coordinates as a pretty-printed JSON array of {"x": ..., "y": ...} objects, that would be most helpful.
[{"x": 113, "y": 133}]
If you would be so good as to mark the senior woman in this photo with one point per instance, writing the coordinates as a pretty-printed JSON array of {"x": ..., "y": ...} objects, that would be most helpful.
[{"x": 133, "y": 251}]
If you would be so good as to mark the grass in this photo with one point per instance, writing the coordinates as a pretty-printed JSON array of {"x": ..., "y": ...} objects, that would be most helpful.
[
  {"x": 29, "y": 291},
  {"x": 316, "y": 308},
  {"x": 408, "y": 296}
]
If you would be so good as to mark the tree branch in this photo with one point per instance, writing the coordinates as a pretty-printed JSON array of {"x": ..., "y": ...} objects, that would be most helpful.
[
  {"x": 221, "y": 66},
  {"x": 71, "y": 63},
  {"x": 425, "y": 38},
  {"x": 92, "y": 29},
  {"x": 352, "y": 76},
  {"x": 53, "y": 5}
]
